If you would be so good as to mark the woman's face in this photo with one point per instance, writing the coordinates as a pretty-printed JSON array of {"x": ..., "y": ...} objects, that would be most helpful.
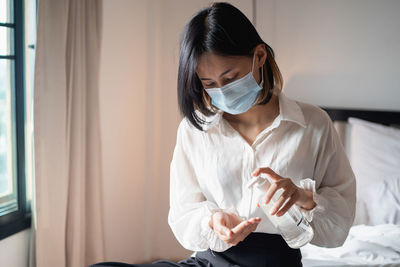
[{"x": 216, "y": 71}]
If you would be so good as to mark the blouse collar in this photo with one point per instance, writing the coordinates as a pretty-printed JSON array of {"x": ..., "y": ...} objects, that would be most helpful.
[{"x": 289, "y": 110}]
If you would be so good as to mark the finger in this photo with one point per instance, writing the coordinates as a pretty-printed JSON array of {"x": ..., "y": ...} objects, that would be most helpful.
[
  {"x": 245, "y": 232},
  {"x": 242, "y": 229},
  {"x": 267, "y": 171},
  {"x": 271, "y": 191},
  {"x": 255, "y": 219},
  {"x": 238, "y": 238},
  {"x": 244, "y": 224},
  {"x": 287, "y": 206},
  {"x": 281, "y": 201},
  {"x": 278, "y": 204},
  {"x": 225, "y": 231},
  {"x": 253, "y": 227},
  {"x": 224, "y": 237}
]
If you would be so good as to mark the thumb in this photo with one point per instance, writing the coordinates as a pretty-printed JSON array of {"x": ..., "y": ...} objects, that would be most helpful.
[{"x": 240, "y": 227}]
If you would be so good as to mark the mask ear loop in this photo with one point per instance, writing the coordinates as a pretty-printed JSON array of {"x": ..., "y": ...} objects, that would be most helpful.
[
  {"x": 269, "y": 93},
  {"x": 262, "y": 73}
]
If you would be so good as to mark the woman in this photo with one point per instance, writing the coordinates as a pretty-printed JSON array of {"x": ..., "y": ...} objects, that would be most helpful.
[{"x": 238, "y": 124}]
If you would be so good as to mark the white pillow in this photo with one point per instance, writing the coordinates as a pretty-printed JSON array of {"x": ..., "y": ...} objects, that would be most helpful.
[
  {"x": 384, "y": 206},
  {"x": 374, "y": 154}
]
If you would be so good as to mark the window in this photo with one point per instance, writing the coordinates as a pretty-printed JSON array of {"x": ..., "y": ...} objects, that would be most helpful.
[{"x": 16, "y": 57}]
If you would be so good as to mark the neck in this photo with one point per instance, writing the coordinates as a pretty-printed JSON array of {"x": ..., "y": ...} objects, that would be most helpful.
[{"x": 257, "y": 115}]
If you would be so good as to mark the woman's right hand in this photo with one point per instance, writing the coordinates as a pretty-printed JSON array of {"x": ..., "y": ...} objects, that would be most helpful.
[{"x": 230, "y": 228}]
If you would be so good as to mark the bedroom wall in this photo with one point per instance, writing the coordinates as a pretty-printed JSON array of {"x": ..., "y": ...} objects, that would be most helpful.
[
  {"x": 336, "y": 53},
  {"x": 139, "y": 119},
  {"x": 14, "y": 250},
  {"x": 333, "y": 53}
]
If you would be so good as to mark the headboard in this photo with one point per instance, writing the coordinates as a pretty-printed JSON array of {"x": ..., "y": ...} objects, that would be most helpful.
[
  {"x": 388, "y": 118},
  {"x": 377, "y": 116}
]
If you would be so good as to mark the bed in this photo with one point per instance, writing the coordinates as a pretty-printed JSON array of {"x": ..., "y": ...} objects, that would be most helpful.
[{"x": 372, "y": 143}]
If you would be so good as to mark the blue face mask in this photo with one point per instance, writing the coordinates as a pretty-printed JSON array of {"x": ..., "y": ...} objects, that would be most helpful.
[{"x": 238, "y": 96}]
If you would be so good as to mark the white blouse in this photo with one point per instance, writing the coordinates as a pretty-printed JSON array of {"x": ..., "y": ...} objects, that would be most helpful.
[{"x": 209, "y": 171}]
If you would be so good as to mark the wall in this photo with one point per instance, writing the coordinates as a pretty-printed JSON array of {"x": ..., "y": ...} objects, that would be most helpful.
[
  {"x": 14, "y": 250},
  {"x": 336, "y": 53},
  {"x": 139, "y": 118},
  {"x": 331, "y": 53}
]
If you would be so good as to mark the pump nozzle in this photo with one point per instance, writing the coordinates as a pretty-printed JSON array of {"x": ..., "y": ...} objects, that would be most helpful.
[{"x": 258, "y": 180}]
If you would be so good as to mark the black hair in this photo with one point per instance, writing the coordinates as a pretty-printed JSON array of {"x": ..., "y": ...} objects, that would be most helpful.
[{"x": 224, "y": 30}]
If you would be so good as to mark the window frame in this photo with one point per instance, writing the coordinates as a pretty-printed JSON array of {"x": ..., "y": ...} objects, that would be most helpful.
[{"x": 20, "y": 219}]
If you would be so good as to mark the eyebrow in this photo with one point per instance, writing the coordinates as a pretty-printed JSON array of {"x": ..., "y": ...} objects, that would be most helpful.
[{"x": 222, "y": 74}]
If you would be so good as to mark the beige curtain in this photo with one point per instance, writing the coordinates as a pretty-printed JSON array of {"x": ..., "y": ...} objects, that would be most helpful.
[{"x": 68, "y": 177}]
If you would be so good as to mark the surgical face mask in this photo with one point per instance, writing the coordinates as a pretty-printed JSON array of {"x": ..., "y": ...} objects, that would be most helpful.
[{"x": 238, "y": 96}]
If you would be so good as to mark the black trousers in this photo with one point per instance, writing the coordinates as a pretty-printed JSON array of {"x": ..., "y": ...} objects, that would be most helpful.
[{"x": 257, "y": 250}]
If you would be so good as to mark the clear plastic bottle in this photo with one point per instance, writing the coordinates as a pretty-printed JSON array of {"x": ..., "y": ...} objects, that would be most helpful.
[{"x": 292, "y": 225}]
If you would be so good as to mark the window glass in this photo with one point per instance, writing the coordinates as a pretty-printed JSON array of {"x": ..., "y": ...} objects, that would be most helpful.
[
  {"x": 6, "y": 11},
  {"x": 6, "y": 41}
]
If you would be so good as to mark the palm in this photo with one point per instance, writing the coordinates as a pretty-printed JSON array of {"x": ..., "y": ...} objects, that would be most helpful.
[
  {"x": 231, "y": 220},
  {"x": 231, "y": 228}
]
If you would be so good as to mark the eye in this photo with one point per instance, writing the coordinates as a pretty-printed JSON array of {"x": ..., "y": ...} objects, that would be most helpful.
[
  {"x": 231, "y": 79},
  {"x": 209, "y": 85},
  {"x": 226, "y": 80}
]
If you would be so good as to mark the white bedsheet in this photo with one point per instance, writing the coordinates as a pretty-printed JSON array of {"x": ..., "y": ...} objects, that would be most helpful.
[{"x": 365, "y": 246}]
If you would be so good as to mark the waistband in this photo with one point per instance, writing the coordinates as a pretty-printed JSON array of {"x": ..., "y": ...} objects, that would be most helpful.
[
  {"x": 264, "y": 241},
  {"x": 257, "y": 249}
]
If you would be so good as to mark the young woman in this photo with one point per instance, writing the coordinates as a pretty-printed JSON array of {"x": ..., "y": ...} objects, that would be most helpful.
[{"x": 237, "y": 124}]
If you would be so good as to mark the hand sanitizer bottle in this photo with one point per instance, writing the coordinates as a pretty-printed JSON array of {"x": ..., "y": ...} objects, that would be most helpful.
[{"x": 292, "y": 225}]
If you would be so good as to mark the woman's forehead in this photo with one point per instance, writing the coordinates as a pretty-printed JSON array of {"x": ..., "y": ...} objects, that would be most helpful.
[{"x": 211, "y": 64}]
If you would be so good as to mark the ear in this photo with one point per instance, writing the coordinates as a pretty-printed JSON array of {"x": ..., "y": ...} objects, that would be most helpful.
[{"x": 261, "y": 55}]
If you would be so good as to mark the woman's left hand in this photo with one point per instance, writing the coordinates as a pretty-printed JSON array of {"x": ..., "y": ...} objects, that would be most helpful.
[{"x": 291, "y": 192}]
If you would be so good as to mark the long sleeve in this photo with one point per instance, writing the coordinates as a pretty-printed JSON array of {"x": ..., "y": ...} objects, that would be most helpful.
[
  {"x": 190, "y": 211},
  {"x": 335, "y": 194}
]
